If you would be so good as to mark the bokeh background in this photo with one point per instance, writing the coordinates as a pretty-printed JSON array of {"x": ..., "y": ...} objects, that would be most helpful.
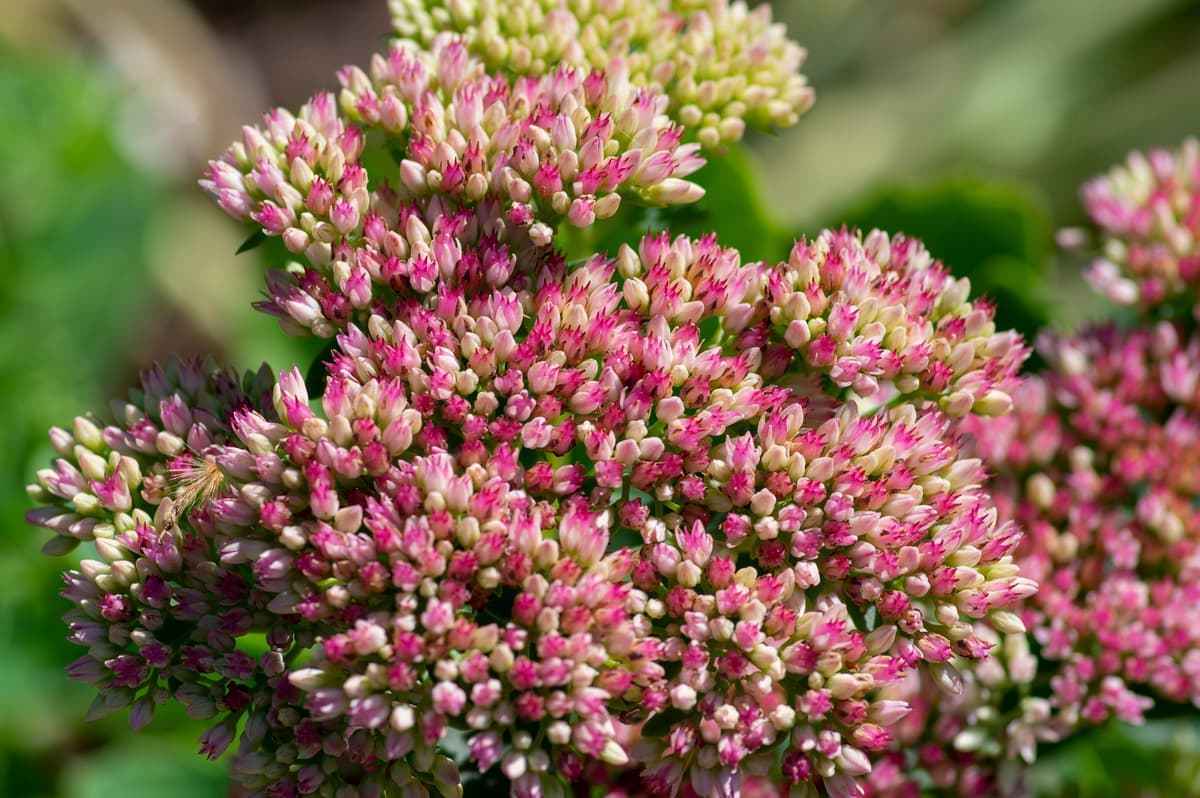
[{"x": 969, "y": 123}]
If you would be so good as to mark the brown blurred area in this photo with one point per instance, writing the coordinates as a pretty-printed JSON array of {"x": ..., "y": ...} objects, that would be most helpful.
[{"x": 205, "y": 67}]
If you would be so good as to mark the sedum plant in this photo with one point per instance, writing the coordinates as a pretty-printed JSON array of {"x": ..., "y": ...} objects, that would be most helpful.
[{"x": 571, "y": 504}]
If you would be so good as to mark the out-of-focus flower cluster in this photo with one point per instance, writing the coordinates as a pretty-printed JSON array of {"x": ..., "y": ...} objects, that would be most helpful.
[
  {"x": 973, "y": 743},
  {"x": 1148, "y": 215},
  {"x": 655, "y": 513},
  {"x": 722, "y": 65},
  {"x": 1099, "y": 465}
]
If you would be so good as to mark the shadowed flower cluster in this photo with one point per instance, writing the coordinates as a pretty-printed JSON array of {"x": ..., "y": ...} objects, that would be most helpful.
[{"x": 654, "y": 513}]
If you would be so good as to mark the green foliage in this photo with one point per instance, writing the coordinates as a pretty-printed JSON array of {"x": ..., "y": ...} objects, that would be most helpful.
[
  {"x": 253, "y": 241},
  {"x": 732, "y": 208},
  {"x": 1158, "y": 760},
  {"x": 73, "y": 219},
  {"x": 993, "y": 233},
  {"x": 145, "y": 770}
]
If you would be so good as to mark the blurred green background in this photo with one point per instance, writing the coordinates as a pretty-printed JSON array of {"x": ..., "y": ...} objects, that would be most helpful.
[{"x": 965, "y": 122}]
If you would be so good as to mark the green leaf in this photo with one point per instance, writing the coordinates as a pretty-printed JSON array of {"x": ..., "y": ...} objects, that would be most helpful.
[
  {"x": 255, "y": 240},
  {"x": 996, "y": 234},
  {"x": 144, "y": 770},
  {"x": 1161, "y": 758},
  {"x": 484, "y": 785},
  {"x": 733, "y": 208},
  {"x": 315, "y": 377},
  {"x": 661, "y": 723}
]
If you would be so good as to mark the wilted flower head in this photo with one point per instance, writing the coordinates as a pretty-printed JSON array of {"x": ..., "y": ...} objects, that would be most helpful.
[
  {"x": 722, "y": 65},
  {"x": 1148, "y": 215}
]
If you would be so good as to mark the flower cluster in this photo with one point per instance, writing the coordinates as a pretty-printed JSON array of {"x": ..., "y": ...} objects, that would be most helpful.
[
  {"x": 964, "y": 745},
  {"x": 430, "y": 532},
  {"x": 159, "y": 611},
  {"x": 722, "y": 65},
  {"x": 1103, "y": 465},
  {"x": 656, "y": 513},
  {"x": 1098, "y": 465},
  {"x": 1148, "y": 215},
  {"x": 568, "y": 145}
]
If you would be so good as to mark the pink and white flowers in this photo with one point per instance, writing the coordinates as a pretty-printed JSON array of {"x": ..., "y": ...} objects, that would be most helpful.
[
  {"x": 1098, "y": 465},
  {"x": 655, "y": 511}
]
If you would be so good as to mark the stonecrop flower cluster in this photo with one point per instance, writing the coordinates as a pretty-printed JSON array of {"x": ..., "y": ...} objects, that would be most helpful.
[
  {"x": 1148, "y": 215},
  {"x": 1099, "y": 465},
  {"x": 654, "y": 513},
  {"x": 720, "y": 65}
]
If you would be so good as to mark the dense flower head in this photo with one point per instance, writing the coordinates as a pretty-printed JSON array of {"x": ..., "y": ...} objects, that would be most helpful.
[
  {"x": 722, "y": 65},
  {"x": 539, "y": 501},
  {"x": 654, "y": 514},
  {"x": 1148, "y": 215},
  {"x": 879, "y": 315},
  {"x": 569, "y": 145},
  {"x": 158, "y": 611},
  {"x": 1103, "y": 453}
]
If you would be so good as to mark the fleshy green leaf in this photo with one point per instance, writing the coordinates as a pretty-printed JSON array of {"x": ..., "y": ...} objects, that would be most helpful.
[
  {"x": 994, "y": 234},
  {"x": 733, "y": 208},
  {"x": 256, "y": 239}
]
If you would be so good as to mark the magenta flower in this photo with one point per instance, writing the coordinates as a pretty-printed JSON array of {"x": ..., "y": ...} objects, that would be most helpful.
[
  {"x": 569, "y": 145},
  {"x": 1098, "y": 465}
]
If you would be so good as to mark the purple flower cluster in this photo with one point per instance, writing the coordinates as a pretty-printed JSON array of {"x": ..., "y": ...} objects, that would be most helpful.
[
  {"x": 161, "y": 614},
  {"x": 655, "y": 513}
]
